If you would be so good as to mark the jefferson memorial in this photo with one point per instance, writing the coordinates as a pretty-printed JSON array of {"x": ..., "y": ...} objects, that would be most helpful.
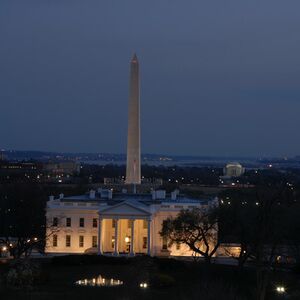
[{"x": 109, "y": 222}]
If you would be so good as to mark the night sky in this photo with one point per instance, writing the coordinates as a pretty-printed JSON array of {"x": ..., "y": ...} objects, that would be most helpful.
[{"x": 217, "y": 77}]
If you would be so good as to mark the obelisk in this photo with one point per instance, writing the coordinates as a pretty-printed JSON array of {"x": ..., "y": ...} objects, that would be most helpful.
[{"x": 133, "y": 167}]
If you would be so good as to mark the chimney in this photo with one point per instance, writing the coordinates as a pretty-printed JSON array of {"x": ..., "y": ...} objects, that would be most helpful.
[
  {"x": 92, "y": 194},
  {"x": 51, "y": 198},
  {"x": 61, "y": 196},
  {"x": 110, "y": 193}
]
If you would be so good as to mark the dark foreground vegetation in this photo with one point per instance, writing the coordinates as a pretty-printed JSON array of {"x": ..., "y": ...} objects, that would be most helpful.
[{"x": 167, "y": 278}]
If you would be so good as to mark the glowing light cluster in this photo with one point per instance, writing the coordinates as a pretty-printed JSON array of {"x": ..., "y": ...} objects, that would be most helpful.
[
  {"x": 99, "y": 281},
  {"x": 143, "y": 285}
]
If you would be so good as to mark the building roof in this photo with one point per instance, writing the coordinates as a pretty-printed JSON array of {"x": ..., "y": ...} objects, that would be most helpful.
[{"x": 138, "y": 199}]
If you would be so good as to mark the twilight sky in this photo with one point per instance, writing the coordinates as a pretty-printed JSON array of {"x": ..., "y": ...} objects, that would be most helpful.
[{"x": 217, "y": 77}]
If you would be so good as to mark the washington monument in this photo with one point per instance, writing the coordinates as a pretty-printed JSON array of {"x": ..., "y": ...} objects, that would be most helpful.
[{"x": 133, "y": 167}]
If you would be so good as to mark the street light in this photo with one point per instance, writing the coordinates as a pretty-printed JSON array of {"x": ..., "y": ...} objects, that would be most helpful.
[{"x": 280, "y": 289}]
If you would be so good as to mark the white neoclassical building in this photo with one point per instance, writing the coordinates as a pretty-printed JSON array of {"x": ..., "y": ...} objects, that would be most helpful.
[{"x": 106, "y": 223}]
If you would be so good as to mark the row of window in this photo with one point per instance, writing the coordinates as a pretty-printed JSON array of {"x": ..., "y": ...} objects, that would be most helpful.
[
  {"x": 95, "y": 223},
  {"x": 94, "y": 241},
  {"x": 68, "y": 241},
  {"x": 69, "y": 222}
]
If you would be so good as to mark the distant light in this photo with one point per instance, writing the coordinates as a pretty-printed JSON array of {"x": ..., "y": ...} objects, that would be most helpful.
[
  {"x": 28, "y": 241},
  {"x": 143, "y": 285},
  {"x": 35, "y": 239},
  {"x": 127, "y": 239},
  {"x": 270, "y": 166},
  {"x": 4, "y": 248},
  {"x": 280, "y": 289}
]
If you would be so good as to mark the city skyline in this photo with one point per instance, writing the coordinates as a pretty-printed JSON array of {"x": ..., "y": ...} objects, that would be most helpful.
[{"x": 215, "y": 80}]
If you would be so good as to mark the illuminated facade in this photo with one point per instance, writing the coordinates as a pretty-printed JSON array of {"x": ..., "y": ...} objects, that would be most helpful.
[
  {"x": 233, "y": 169},
  {"x": 106, "y": 223}
]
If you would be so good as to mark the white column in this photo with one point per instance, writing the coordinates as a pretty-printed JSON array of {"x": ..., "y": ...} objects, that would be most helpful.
[
  {"x": 116, "y": 237},
  {"x": 100, "y": 250},
  {"x": 149, "y": 238},
  {"x": 132, "y": 239}
]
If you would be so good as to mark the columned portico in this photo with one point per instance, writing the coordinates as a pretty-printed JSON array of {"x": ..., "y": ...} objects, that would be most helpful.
[
  {"x": 132, "y": 238},
  {"x": 116, "y": 252},
  {"x": 149, "y": 238},
  {"x": 100, "y": 248},
  {"x": 127, "y": 230}
]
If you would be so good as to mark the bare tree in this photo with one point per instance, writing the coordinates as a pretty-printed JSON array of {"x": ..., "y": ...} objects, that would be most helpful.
[{"x": 197, "y": 228}]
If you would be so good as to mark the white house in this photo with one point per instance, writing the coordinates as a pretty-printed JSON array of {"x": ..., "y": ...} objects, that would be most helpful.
[{"x": 106, "y": 223}]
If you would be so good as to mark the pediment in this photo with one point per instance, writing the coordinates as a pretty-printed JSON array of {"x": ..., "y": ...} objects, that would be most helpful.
[{"x": 125, "y": 210}]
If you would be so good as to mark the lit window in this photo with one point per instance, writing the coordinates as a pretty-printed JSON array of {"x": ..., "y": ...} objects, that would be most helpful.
[
  {"x": 81, "y": 222},
  {"x": 144, "y": 242},
  {"x": 68, "y": 241},
  {"x": 81, "y": 241},
  {"x": 113, "y": 242},
  {"x": 94, "y": 241},
  {"x": 95, "y": 223},
  {"x": 54, "y": 241},
  {"x": 68, "y": 222}
]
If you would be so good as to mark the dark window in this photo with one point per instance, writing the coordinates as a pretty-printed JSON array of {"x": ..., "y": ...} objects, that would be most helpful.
[
  {"x": 145, "y": 224},
  {"x": 68, "y": 241},
  {"x": 177, "y": 246},
  {"x": 81, "y": 241},
  {"x": 68, "y": 222},
  {"x": 130, "y": 222},
  {"x": 165, "y": 243},
  {"x": 114, "y": 222},
  {"x": 55, "y": 222},
  {"x": 54, "y": 241},
  {"x": 95, "y": 223},
  {"x": 81, "y": 222},
  {"x": 94, "y": 241},
  {"x": 144, "y": 242}
]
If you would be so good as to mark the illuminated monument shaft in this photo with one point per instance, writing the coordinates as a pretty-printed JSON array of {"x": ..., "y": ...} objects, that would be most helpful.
[{"x": 133, "y": 168}]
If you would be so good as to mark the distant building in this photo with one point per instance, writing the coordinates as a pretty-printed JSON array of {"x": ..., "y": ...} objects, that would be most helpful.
[
  {"x": 233, "y": 169},
  {"x": 62, "y": 167}
]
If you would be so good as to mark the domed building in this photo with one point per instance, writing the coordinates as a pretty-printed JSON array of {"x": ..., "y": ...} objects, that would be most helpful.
[{"x": 233, "y": 169}]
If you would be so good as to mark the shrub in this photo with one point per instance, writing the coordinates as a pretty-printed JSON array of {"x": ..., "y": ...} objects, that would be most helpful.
[
  {"x": 22, "y": 274},
  {"x": 160, "y": 280},
  {"x": 75, "y": 260}
]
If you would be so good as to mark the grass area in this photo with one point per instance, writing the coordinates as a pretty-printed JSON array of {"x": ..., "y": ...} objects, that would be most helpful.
[{"x": 168, "y": 278}]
